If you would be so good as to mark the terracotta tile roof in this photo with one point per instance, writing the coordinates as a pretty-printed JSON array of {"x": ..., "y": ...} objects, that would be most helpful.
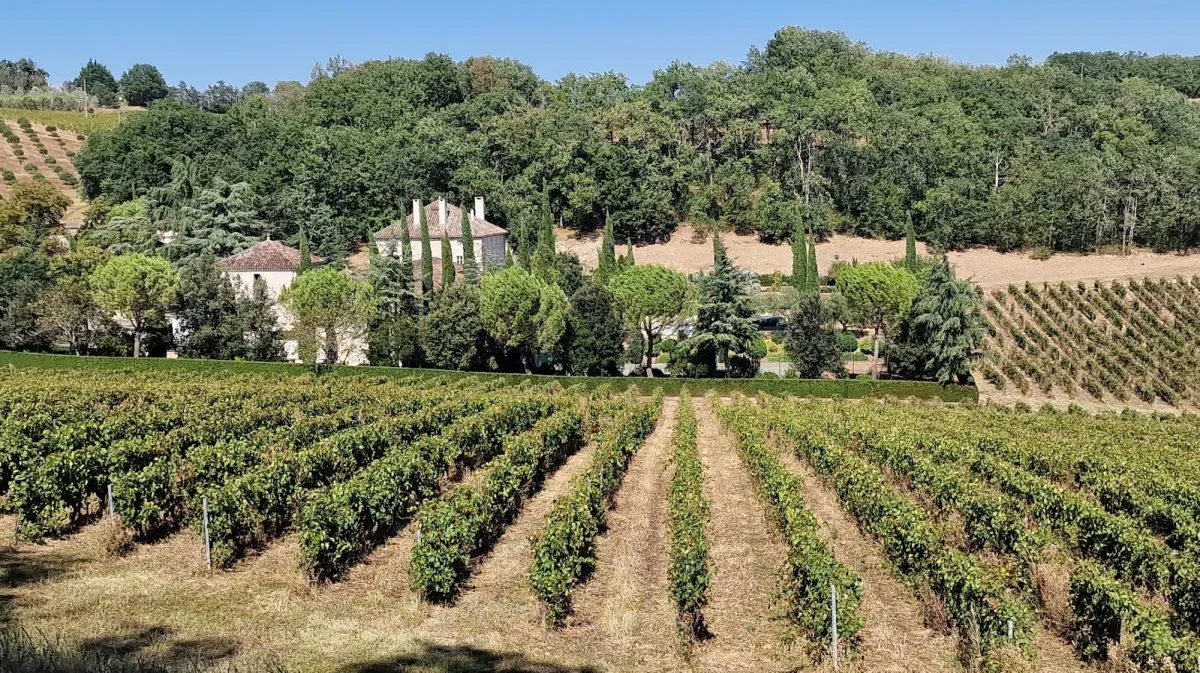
[
  {"x": 266, "y": 256},
  {"x": 479, "y": 228}
]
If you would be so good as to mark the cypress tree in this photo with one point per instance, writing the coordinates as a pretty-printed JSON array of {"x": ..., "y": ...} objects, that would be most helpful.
[
  {"x": 799, "y": 257},
  {"x": 448, "y": 272},
  {"x": 608, "y": 253},
  {"x": 814, "y": 278},
  {"x": 305, "y": 254},
  {"x": 406, "y": 255},
  {"x": 627, "y": 259},
  {"x": 910, "y": 247},
  {"x": 426, "y": 256},
  {"x": 471, "y": 271}
]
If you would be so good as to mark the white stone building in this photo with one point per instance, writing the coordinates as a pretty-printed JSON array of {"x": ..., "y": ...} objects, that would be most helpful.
[
  {"x": 277, "y": 265},
  {"x": 490, "y": 240}
]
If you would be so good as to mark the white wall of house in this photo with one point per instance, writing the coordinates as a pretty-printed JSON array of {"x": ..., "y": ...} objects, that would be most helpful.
[
  {"x": 492, "y": 246},
  {"x": 275, "y": 280}
]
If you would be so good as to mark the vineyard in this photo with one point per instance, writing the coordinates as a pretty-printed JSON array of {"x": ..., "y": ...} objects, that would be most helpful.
[
  {"x": 363, "y": 523},
  {"x": 36, "y": 152},
  {"x": 1135, "y": 343}
]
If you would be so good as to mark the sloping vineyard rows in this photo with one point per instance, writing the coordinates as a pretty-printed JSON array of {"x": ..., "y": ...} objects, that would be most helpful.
[
  {"x": 976, "y": 597},
  {"x": 1107, "y": 341},
  {"x": 564, "y": 552},
  {"x": 810, "y": 572},
  {"x": 1132, "y": 589}
]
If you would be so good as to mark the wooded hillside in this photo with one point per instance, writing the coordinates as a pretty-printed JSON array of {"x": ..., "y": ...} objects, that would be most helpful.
[{"x": 813, "y": 124}]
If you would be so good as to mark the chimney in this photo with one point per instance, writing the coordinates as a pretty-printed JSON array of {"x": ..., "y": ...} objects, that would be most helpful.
[
  {"x": 479, "y": 213},
  {"x": 442, "y": 212},
  {"x": 416, "y": 210}
]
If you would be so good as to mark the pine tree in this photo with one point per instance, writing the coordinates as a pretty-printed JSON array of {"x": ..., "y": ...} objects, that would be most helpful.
[
  {"x": 471, "y": 270},
  {"x": 393, "y": 338},
  {"x": 305, "y": 253},
  {"x": 799, "y": 257},
  {"x": 943, "y": 330},
  {"x": 448, "y": 272},
  {"x": 426, "y": 256},
  {"x": 608, "y": 253},
  {"x": 910, "y": 247},
  {"x": 725, "y": 328}
]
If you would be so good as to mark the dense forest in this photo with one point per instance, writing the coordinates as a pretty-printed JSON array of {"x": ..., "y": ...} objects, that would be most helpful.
[{"x": 1082, "y": 152}]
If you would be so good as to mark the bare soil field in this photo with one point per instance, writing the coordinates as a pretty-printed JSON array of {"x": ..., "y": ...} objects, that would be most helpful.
[
  {"x": 688, "y": 253},
  {"x": 57, "y": 150}
]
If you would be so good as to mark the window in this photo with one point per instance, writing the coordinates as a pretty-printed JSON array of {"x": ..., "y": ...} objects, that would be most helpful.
[
  {"x": 257, "y": 277},
  {"x": 458, "y": 259}
]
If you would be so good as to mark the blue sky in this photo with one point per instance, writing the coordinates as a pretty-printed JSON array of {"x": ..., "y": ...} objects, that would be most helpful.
[{"x": 203, "y": 41}]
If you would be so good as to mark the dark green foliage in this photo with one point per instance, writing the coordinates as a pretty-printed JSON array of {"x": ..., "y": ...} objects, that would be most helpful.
[
  {"x": 260, "y": 325},
  {"x": 607, "y": 264},
  {"x": 207, "y": 308},
  {"x": 447, "y": 257},
  {"x": 810, "y": 342},
  {"x": 471, "y": 268},
  {"x": 426, "y": 257},
  {"x": 800, "y": 277},
  {"x": 451, "y": 333},
  {"x": 98, "y": 81},
  {"x": 393, "y": 338},
  {"x": 305, "y": 252},
  {"x": 595, "y": 333},
  {"x": 142, "y": 84},
  {"x": 910, "y": 247},
  {"x": 726, "y": 332},
  {"x": 942, "y": 332}
]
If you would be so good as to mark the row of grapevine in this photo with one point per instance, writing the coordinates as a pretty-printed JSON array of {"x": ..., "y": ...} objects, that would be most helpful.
[
  {"x": 464, "y": 523},
  {"x": 339, "y": 525},
  {"x": 1113, "y": 340},
  {"x": 247, "y": 511},
  {"x": 811, "y": 571},
  {"x": 564, "y": 551},
  {"x": 974, "y": 594},
  {"x": 688, "y": 571}
]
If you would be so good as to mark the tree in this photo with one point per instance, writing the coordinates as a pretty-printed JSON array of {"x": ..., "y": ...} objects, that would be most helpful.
[
  {"x": 393, "y": 336},
  {"x": 332, "y": 312},
  {"x": 809, "y": 341},
  {"x": 814, "y": 276},
  {"x": 260, "y": 324},
  {"x": 452, "y": 333},
  {"x": 97, "y": 80},
  {"x": 220, "y": 220},
  {"x": 137, "y": 288},
  {"x": 726, "y": 332},
  {"x": 22, "y": 75},
  {"x": 207, "y": 308},
  {"x": 305, "y": 252},
  {"x": 595, "y": 335},
  {"x": 522, "y": 312},
  {"x": 448, "y": 271},
  {"x": 32, "y": 211},
  {"x": 910, "y": 247},
  {"x": 143, "y": 84},
  {"x": 471, "y": 271},
  {"x": 607, "y": 265},
  {"x": 651, "y": 298},
  {"x": 800, "y": 258},
  {"x": 880, "y": 292},
  {"x": 943, "y": 330},
  {"x": 66, "y": 310},
  {"x": 426, "y": 256}
]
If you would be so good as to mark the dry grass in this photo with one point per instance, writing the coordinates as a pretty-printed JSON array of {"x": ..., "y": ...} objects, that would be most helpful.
[
  {"x": 746, "y": 559},
  {"x": 895, "y": 638},
  {"x": 625, "y": 606},
  {"x": 690, "y": 253}
]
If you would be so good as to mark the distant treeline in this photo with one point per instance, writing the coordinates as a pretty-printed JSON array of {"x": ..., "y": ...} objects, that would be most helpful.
[
  {"x": 810, "y": 126},
  {"x": 1181, "y": 73}
]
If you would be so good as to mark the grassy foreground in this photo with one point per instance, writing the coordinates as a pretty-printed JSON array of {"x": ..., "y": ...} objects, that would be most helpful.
[{"x": 825, "y": 388}]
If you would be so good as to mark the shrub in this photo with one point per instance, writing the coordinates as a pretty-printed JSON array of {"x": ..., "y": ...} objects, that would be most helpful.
[
  {"x": 31, "y": 169},
  {"x": 847, "y": 342},
  {"x": 51, "y": 128}
]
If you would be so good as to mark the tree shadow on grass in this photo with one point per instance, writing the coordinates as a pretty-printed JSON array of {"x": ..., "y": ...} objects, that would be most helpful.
[
  {"x": 159, "y": 644},
  {"x": 436, "y": 658},
  {"x": 18, "y": 567}
]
